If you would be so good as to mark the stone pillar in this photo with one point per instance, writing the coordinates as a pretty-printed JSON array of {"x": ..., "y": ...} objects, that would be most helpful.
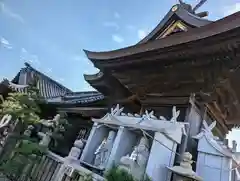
[
  {"x": 76, "y": 150},
  {"x": 195, "y": 122},
  {"x": 234, "y": 146},
  {"x": 161, "y": 157},
  {"x": 94, "y": 139}
]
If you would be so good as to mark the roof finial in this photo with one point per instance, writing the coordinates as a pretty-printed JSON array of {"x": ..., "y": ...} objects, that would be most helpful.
[
  {"x": 199, "y": 5},
  {"x": 186, "y": 6},
  {"x": 192, "y": 10},
  {"x": 27, "y": 64}
]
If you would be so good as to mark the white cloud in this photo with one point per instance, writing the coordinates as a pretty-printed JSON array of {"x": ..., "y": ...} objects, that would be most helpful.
[
  {"x": 28, "y": 57},
  {"x": 76, "y": 58},
  {"x": 231, "y": 9},
  {"x": 49, "y": 70},
  {"x": 5, "y": 43},
  {"x": 34, "y": 59},
  {"x": 8, "y": 12},
  {"x": 130, "y": 27},
  {"x": 61, "y": 79},
  {"x": 79, "y": 58},
  {"x": 111, "y": 25},
  {"x": 141, "y": 34},
  {"x": 82, "y": 59},
  {"x": 117, "y": 38},
  {"x": 23, "y": 50},
  {"x": 117, "y": 15}
]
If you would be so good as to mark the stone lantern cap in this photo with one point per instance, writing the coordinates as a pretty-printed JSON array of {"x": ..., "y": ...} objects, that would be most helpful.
[{"x": 185, "y": 168}]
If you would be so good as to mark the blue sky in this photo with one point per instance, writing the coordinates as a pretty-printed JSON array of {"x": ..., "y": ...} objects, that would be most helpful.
[{"x": 50, "y": 34}]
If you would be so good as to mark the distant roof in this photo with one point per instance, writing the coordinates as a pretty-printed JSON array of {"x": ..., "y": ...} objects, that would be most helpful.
[
  {"x": 29, "y": 67},
  {"x": 51, "y": 90},
  {"x": 82, "y": 97}
]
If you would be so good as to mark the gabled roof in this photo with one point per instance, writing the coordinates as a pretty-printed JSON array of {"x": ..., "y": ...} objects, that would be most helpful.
[
  {"x": 50, "y": 90},
  {"x": 179, "y": 17},
  {"x": 213, "y": 31},
  {"x": 44, "y": 76},
  {"x": 176, "y": 13}
]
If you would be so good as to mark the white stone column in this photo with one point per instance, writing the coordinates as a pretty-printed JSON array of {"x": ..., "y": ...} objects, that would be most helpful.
[{"x": 94, "y": 139}]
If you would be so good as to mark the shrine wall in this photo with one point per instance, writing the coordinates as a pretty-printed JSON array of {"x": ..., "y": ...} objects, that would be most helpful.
[
  {"x": 214, "y": 159},
  {"x": 156, "y": 167}
]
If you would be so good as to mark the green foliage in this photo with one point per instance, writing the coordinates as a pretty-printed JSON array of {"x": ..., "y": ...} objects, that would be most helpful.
[
  {"x": 22, "y": 105},
  {"x": 22, "y": 158},
  {"x": 147, "y": 178},
  {"x": 116, "y": 174},
  {"x": 29, "y": 148},
  {"x": 86, "y": 177}
]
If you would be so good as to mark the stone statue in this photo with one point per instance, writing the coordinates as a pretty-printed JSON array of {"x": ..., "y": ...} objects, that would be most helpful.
[
  {"x": 76, "y": 150},
  {"x": 104, "y": 150},
  {"x": 28, "y": 131},
  {"x": 137, "y": 161},
  {"x": 4, "y": 128},
  {"x": 46, "y": 138},
  {"x": 50, "y": 124},
  {"x": 5, "y": 121}
]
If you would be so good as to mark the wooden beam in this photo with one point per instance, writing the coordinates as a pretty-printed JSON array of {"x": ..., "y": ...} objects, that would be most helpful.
[
  {"x": 154, "y": 100},
  {"x": 213, "y": 45},
  {"x": 217, "y": 117},
  {"x": 166, "y": 78}
]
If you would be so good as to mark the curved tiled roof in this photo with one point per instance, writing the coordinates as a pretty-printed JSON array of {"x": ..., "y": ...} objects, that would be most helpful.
[
  {"x": 82, "y": 97},
  {"x": 51, "y": 90},
  {"x": 213, "y": 29}
]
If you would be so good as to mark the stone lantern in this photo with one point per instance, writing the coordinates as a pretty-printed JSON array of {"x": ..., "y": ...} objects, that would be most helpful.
[{"x": 184, "y": 172}]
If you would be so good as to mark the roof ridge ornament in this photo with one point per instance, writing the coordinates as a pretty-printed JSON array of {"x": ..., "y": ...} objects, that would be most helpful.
[
  {"x": 193, "y": 10},
  {"x": 175, "y": 114},
  {"x": 199, "y": 5},
  {"x": 117, "y": 110},
  {"x": 207, "y": 130}
]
